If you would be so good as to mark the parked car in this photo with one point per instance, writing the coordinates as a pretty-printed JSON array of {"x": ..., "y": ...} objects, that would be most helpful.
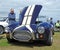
[
  {"x": 3, "y": 24},
  {"x": 30, "y": 29}
]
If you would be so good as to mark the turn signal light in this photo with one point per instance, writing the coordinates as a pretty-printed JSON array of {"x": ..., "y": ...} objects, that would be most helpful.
[{"x": 41, "y": 36}]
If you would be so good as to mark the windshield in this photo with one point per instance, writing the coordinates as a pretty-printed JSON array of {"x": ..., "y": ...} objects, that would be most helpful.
[
  {"x": 3, "y": 18},
  {"x": 41, "y": 19}
]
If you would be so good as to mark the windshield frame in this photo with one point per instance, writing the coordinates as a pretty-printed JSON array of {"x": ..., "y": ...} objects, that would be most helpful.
[{"x": 3, "y": 18}]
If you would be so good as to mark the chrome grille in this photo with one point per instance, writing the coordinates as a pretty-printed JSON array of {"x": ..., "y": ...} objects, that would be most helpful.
[{"x": 22, "y": 35}]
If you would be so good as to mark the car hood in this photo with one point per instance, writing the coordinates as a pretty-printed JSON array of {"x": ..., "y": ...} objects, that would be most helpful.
[
  {"x": 23, "y": 27},
  {"x": 4, "y": 23}
]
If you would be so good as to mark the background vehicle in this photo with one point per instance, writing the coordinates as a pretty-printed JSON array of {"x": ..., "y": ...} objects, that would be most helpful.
[
  {"x": 30, "y": 29},
  {"x": 3, "y": 24}
]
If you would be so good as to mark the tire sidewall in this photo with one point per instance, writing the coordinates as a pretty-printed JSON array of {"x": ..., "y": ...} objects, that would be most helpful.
[
  {"x": 50, "y": 39},
  {"x": 2, "y": 29}
]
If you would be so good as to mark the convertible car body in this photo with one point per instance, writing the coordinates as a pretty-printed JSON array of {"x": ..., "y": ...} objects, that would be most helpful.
[{"x": 29, "y": 29}]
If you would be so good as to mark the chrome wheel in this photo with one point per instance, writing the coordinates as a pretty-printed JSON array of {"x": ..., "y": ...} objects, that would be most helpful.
[{"x": 1, "y": 30}]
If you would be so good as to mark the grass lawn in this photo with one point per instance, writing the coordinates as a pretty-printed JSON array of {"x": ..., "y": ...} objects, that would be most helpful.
[
  {"x": 4, "y": 45},
  {"x": 3, "y": 42}
]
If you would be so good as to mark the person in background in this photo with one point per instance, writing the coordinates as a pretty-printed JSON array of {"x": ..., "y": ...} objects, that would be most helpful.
[
  {"x": 20, "y": 17},
  {"x": 57, "y": 25},
  {"x": 50, "y": 21},
  {"x": 11, "y": 16}
]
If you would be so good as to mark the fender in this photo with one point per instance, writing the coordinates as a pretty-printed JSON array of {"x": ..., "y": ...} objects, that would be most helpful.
[{"x": 45, "y": 25}]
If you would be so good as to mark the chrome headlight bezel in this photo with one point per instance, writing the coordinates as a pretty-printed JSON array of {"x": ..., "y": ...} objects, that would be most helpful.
[{"x": 41, "y": 30}]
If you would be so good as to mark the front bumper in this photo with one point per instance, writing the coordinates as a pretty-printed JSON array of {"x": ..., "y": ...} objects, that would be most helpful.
[
  {"x": 41, "y": 37},
  {"x": 44, "y": 36},
  {"x": 26, "y": 36}
]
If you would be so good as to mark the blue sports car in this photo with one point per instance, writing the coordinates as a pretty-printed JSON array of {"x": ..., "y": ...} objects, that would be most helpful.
[{"x": 29, "y": 29}]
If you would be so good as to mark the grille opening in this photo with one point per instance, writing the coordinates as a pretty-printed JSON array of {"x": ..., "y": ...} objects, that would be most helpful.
[{"x": 22, "y": 36}]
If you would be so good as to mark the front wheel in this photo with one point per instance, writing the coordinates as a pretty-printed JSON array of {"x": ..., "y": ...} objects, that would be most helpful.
[
  {"x": 1, "y": 30},
  {"x": 50, "y": 39},
  {"x": 8, "y": 38}
]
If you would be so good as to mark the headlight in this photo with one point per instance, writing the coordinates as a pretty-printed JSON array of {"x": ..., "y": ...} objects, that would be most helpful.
[{"x": 41, "y": 30}]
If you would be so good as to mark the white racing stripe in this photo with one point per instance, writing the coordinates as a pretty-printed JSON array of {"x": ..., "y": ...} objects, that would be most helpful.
[
  {"x": 28, "y": 26},
  {"x": 32, "y": 10},
  {"x": 25, "y": 16},
  {"x": 24, "y": 20},
  {"x": 29, "y": 18},
  {"x": 30, "y": 15},
  {"x": 18, "y": 27},
  {"x": 27, "y": 11}
]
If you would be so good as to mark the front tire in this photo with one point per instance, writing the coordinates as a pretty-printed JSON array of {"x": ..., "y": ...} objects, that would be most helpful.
[
  {"x": 50, "y": 39},
  {"x": 1, "y": 29},
  {"x": 8, "y": 38}
]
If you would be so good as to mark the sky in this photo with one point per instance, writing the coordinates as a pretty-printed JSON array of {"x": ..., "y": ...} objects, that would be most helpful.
[{"x": 51, "y": 8}]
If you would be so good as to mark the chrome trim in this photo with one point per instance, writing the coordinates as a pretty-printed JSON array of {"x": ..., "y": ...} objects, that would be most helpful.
[{"x": 22, "y": 35}]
